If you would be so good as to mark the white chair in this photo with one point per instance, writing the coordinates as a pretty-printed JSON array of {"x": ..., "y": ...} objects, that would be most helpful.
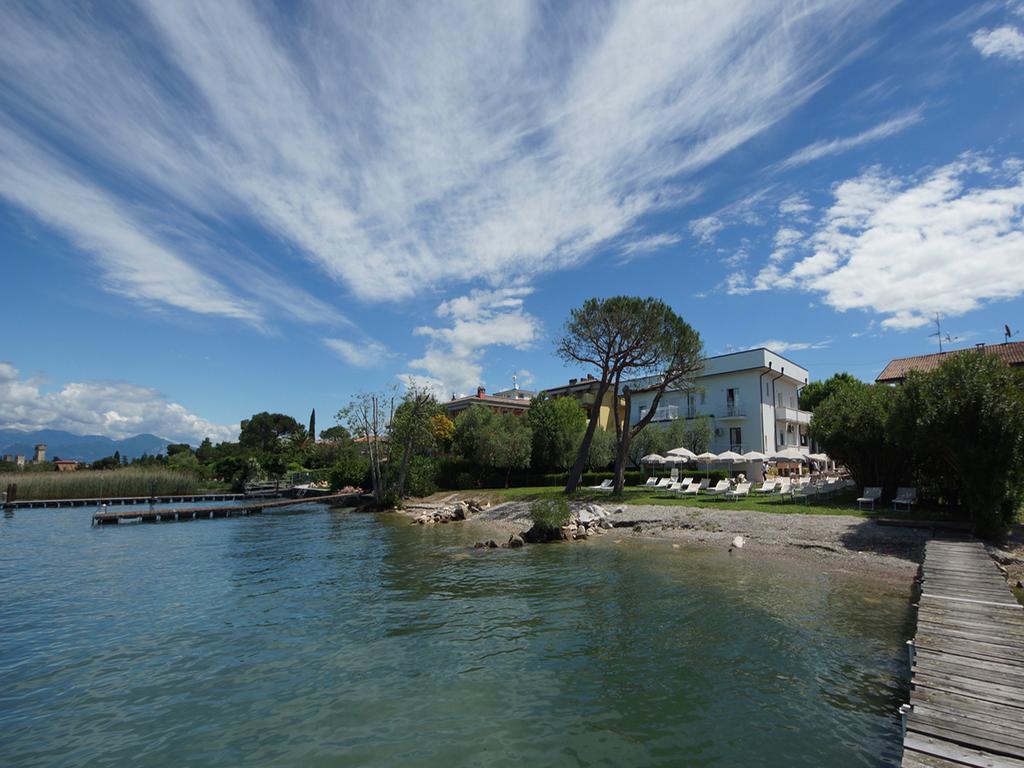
[
  {"x": 695, "y": 488},
  {"x": 665, "y": 482},
  {"x": 741, "y": 489},
  {"x": 906, "y": 497},
  {"x": 871, "y": 495},
  {"x": 651, "y": 482},
  {"x": 606, "y": 485},
  {"x": 768, "y": 486},
  {"x": 719, "y": 489}
]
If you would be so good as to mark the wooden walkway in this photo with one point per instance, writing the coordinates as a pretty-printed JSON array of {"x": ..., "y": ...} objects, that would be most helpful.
[
  {"x": 122, "y": 500},
  {"x": 168, "y": 514},
  {"x": 967, "y": 703}
]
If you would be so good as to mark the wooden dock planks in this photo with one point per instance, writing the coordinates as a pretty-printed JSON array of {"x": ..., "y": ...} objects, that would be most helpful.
[
  {"x": 967, "y": 703},
  {"x": 167, "y": 514}
]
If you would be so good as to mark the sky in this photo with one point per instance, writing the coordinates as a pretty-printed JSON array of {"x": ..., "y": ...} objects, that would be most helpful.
[{"x": 209, "y": 210}]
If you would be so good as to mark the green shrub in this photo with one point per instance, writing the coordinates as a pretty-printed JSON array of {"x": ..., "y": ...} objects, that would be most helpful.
[
  {"x": 350, "y": 469},
  {"x": 421, "y": 479},
  {"x": 549, "y": 514}
]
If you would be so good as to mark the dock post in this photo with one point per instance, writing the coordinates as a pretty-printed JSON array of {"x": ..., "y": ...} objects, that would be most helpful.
[
  {"x": 910, "y": 653},
  {"x": 904, "y": 711}
]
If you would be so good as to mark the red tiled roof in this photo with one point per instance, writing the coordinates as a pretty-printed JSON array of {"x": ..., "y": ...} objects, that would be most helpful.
[{"x": 1011, "y": 353}]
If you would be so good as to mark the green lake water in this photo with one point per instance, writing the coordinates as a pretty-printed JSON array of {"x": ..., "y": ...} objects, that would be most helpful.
[{"x": 327, "y": 638}]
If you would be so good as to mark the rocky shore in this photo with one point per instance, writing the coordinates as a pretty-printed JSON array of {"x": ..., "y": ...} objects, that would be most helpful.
[{"x": 834, "y": 541}]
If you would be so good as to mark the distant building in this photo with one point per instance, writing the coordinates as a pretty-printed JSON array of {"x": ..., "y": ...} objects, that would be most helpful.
[
  {"x": 19, "y": 461},
  {"x": 515, "y": 401},
  {"x": 40, "y": 455},
  {"x": 65, "y": 465},
  {"x": 585, "y": 392},
  {"x": 1011, "y": 353}
]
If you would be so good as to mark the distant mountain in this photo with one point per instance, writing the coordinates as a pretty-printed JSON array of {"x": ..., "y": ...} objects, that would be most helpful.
[{"x": 66, "y": 445}]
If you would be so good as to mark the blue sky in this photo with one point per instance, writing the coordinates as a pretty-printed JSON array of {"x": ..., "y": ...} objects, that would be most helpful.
[{"x": 212, "y": 209}]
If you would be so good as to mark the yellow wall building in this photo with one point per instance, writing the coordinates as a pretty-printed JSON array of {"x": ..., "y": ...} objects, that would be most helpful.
[{"x": 585, "y": 392}]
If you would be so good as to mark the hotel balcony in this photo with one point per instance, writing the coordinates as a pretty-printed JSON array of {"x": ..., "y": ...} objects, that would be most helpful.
[
  {"x": 666, "y": 413},
  {"x": 792, "y": 415},
  {"x": 733, "y": 410}
]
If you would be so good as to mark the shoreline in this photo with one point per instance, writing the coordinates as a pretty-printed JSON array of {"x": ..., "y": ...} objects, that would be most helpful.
[{"x": 834, "y": 542}]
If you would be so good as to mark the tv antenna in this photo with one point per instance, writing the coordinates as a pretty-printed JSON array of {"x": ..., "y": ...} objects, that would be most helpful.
[
  {"x": 939, "y": 335},
  {"x": 1008, "y": 334}
]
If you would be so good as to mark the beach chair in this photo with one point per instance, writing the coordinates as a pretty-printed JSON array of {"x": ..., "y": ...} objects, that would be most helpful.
[
  {"x": 905, "y": 497},
  {"x": 651, "y": 482},
  {"x": 719, "y": 489},
  {"x": 694, "y": 488},
  {"x": 871, "y": 495},
  {"x": 768, "y": 486},
  {"x": 687, "y": 481},
  {"x": 804, "y": 491},
  {"x": 741, "y": 489},
  {"x": 606, "y": 485}
]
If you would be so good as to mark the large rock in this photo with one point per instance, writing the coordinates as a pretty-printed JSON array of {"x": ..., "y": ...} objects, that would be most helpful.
[
  {"x": 515, "y": 541},
  {"x": 737, "y": 542}
]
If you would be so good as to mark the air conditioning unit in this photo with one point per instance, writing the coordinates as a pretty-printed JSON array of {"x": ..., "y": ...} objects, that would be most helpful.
[{"x": 718, "y": 431}]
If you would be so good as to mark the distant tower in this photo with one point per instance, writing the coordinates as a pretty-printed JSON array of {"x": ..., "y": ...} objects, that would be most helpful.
[{"x": 40, "y": 456}]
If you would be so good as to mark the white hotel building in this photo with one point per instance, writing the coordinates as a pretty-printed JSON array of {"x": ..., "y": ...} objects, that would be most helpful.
[{"x": 750, "y": 397}]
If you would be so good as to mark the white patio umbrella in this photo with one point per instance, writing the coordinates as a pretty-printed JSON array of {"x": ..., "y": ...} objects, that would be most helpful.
[
  {"x": 730, "y": 457},
  {"x": 789, "y": 454},
  {"x": 685, "y": 454},
  {"x": 653, "y": 458},
  {"x": 754, "y": 456},
  {"x": 707, "y": 457}
]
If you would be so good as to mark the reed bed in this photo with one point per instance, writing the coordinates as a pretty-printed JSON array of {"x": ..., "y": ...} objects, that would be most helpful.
[{"x": 89, "y": 484}]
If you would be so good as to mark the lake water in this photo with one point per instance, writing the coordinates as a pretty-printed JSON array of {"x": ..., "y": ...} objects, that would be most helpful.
[{"x": 320, "y": 637}]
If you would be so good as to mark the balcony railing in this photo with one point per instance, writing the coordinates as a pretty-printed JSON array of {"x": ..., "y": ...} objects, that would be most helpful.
[
  {"x": 666, "y": 413},
  {"x": 793, "y": 415},
  {"x": 733, "y": 409}
]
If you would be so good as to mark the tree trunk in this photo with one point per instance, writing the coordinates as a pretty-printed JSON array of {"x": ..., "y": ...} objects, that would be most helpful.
[
  {"x": 622, "y": 452},
  {"x": 576, "y": 473}
]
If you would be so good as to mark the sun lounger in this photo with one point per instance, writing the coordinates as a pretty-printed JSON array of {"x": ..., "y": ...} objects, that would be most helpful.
[
  {"x": 905, "y": 497},
  {"x": 768, "y": 486},
  {"x": 665, "y": 482},
  {"x": 718, "y": 490},
  {"x": 606, "y": 485},
  {"x": 871, "y": 495},
  {"x": 694, "y": 488},
  {"x": 741, "y": 489},
  {"x": 651, "y": 482}
]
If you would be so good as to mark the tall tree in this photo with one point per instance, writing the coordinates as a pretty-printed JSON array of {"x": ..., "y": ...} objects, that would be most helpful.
[
  {"x": 817, "y": 391},
  {"x": 626, "y": 336},
  {"x": 312, "y": 426},
  {"x": 412, "y": 429},
  {"x": 367, "y": 417},
  {"x": 557, "y": 425},
  {"x": 265, "y": 431}
]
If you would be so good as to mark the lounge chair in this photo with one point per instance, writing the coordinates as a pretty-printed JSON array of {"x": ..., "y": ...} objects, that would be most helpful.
[
  {"x": 718, "y": 490},
  {"x": 768, "y": 486},
  {"x": 665, "y": 482},
  {"x": 741, "y": 489},
  {"x": 695, "y": 488},
  {"x": 651, "y": 482},
  {"x": 906, "y": 497},
  {"x": 871, "y": 495},
  {"x": 688, "y": 481},
  {"x": 606, "y": 485}
]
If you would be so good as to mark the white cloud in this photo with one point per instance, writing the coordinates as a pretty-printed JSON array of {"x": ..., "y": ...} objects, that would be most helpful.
[
  {"x": 705, "y": 229},
  {"x": 362, "y": 354},
  {"x": 787, "y": 236},
  {"x": 795, "y": 205},
  {"x": 1005, "y": 42},
  {"x": 480, "y": 320},
  {"x": 647, "y": 245},
  {"x": 399, "y": 148},
  {"x": 114, "y": 409},
  {"x": 821, "y": 149},
  {"x": 781, "y": 347},
  {"x": 907, "y": 248}
]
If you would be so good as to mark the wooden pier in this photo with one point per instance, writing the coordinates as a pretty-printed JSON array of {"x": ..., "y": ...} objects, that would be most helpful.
[
  {"x": 169, "y": 514},
  {"x": 967, "y": 664},
  {"x": 123, "y": 500}
]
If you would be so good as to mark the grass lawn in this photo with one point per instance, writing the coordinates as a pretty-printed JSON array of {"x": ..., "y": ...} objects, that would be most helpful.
[{"x": 838, "y": 504}]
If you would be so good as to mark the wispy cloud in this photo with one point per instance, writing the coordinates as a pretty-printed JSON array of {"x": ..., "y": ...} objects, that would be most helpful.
[
  {"x": 777, "y": 345},
  {"x": 648, "y": 245},
  {"x": 821, "y": 149},
  {"x": 115, "y": 409},
  {"x": 400, "y": 148},
  {"x": 362, "y": 354}
]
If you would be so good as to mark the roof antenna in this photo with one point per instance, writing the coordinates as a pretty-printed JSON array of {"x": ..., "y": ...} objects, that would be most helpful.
[
  {"x": 515, "y": 382},
  {"x": 1008, "y": 334},
  {"x": 938, "y": 333}
]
